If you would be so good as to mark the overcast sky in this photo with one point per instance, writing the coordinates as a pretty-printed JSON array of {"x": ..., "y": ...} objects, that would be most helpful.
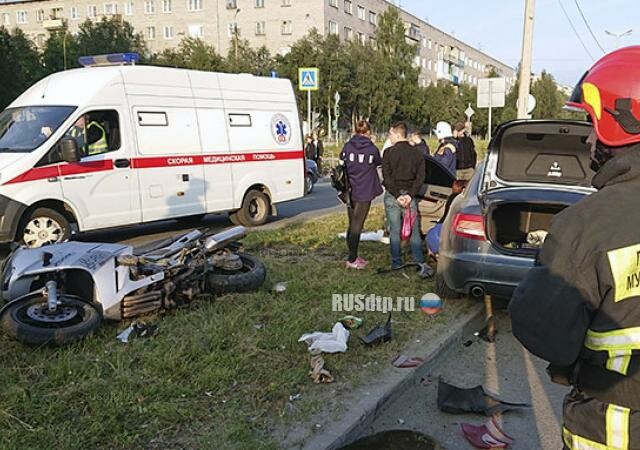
[{"x": 496, "y": 27}]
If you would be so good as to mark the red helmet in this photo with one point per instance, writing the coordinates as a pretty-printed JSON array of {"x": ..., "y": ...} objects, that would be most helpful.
[{"x": 610, "y": 93}]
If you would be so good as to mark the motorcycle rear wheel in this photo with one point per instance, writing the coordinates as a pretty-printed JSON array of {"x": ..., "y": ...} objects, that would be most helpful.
[{"x": 27, "y": 320}]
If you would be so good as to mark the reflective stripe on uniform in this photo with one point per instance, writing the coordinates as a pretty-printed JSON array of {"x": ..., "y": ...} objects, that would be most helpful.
[
  {"x": 618, "y": 427},
  {"x": 619, "y": 361},
  {"x": 575, "y": 442},
  {"x": 623, "y": 339}
]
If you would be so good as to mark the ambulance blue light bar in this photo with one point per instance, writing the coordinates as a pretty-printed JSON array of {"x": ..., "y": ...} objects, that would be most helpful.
[{"x": 113, "y": 59}]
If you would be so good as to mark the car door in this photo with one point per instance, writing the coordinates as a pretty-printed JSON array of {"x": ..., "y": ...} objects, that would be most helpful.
[
  {"x": 435, "y": 192},
  {"x": 101, "y": 186}
]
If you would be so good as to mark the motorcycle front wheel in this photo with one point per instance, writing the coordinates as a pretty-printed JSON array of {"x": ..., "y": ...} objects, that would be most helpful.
[{"x": 29, "y": 321}]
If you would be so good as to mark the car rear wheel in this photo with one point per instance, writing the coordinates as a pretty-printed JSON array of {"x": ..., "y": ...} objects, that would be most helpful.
[
  {"x": 44, "y": 226},
  {"x": 443, "y": 290},
  {"x": 254, "y": 211}
]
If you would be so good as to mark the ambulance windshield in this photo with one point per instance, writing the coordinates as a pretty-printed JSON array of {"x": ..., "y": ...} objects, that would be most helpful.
[{"x": 25, "y": 128}]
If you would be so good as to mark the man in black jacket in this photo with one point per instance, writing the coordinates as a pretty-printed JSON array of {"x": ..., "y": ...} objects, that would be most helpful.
[
  {"x": 577, "y": 308},
  {"x": 466, "y": 153},
  {"x": 403, "y": 170}
]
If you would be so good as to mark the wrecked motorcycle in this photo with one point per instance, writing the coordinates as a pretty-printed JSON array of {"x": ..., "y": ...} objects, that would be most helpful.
[{"x": 60, "y": 293}]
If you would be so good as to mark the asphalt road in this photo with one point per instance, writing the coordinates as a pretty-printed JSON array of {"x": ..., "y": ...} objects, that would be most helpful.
[
  {"x": 503, "y": 368},
  {"x": 323, "y": 199}
]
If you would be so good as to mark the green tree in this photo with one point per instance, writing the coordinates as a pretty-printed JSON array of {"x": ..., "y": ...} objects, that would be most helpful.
[
  {"x": 20, "y": 64},
  {"x": 60, "y": 46},
  {"x": 109, "y": 35},
  {"x": 249, "y": 60},
  {"x": 549, "y": 99},
  {"x": 192, "y": 53}
]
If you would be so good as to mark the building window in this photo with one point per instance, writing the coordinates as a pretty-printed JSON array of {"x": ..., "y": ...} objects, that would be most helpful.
[
  {"x": 362, "y": 13},
  {"x": 6, "y": 19},
  {"x": 75, "y": 14},
  {"x": 333, "y": 3},
  {"x": 196, "y": 31},
  {"x": 149, "y": 7},
  {"x": 287, "y": 27},
  {"x": 40, "y": 15},
  {"x": 40, "y": 40},
  {"x": 21, "y": 17},
  {"x": 194, "y": 5},
  {"x": 110, "y": 9},
  {"x": 259, "y": 3},
  {"x": 232, "y": 29},
  {"x": 151, "y": 33},
  {"x": 362, "y": 38},
  {"x": 348, "y": 7},
  {"x": 232, "y": 4},
  {"x": 128, "y": 9},
  {"x": 168, "y": 32},
  {"x": 286, "y": 3},
  {"x": 429, "y": 44},
  {"x": 373, "y": 18},
  {"x": 348, "y": 34},
  {"x": 333, "y": 27},
  {"x": 261, "y": 28},
  {"x": 92, "y": 11},
  {"x": 56, "y": 13},
  {"x": 429, "y": 65},
  {"x": 166, "y": 6}
]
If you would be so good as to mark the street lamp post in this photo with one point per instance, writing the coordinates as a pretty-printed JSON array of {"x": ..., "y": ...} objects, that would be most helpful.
[
  {"x": 617, "y": 36},
  {"x": 235, "y": 33}
]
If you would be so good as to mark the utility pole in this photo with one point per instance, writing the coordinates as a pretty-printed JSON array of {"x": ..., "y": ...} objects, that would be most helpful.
[
  {"x": 525, "y": 62},
  {"x": 617, "y": 36}
]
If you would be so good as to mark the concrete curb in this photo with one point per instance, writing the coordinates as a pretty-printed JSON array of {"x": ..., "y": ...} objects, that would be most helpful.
[{"x": 356, "y": 421}]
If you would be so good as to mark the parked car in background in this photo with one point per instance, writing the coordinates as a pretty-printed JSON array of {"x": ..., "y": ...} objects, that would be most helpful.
[
  {"x": 312, "y": 175},
  {"x": 490, "y": 237}
]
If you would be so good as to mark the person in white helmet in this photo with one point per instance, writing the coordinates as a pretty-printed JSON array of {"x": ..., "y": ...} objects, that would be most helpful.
[{"x": 446, "y": 152}]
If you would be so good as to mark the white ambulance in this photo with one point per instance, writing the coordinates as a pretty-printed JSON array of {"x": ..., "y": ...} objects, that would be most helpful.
[{"x": 115, "y": 145}]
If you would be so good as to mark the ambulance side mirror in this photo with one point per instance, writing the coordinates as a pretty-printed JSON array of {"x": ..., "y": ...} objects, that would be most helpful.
[{"x": 69, "y": 150}]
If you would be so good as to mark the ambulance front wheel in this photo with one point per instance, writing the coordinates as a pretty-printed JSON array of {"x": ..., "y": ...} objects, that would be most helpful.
[
  {"x": 43, "y": 226},
  {"x": 254, "y": 210}
]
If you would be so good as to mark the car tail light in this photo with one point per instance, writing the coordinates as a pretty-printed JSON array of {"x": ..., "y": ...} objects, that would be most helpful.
[{"x": 469, "y": 226}]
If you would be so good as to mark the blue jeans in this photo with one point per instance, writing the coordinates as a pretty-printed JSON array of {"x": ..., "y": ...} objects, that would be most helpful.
[{"x": 394, "y": 213}]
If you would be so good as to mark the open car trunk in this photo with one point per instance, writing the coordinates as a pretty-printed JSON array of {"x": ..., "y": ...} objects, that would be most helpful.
[
  {"x": 517, "y": 219},
  {"x": 549, "y": 153}
]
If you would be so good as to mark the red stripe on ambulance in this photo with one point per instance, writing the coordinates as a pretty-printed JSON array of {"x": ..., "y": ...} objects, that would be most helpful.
[{"x": 68, "y": 169}]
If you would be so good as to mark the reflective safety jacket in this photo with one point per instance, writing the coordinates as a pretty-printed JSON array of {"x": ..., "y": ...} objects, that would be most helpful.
[{"x": 580, "y": 308}]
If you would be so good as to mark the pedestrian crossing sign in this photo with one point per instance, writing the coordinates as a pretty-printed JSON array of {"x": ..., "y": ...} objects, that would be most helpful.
[{"x": 308, "y": 78}]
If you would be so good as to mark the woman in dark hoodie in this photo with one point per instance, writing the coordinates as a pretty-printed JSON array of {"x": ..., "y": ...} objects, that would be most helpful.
[{"x": 361, "y": 159}]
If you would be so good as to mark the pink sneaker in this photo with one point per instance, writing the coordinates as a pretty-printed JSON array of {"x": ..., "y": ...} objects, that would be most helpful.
[
  {"x": 355, "y": 265},
  {"x": 362, "y": 261}
]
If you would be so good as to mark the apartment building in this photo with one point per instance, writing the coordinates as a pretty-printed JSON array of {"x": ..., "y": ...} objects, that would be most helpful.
[{"x": 276, "y": 24}]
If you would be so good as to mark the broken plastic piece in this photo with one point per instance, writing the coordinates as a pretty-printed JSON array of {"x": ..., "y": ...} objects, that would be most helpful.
[
  {"x": 137, "y": 329},
  {"x": 405, "y": 362},
  {"x": 372, "y": 236},
  {"x": 279, "y": 288},
  {"x": 455, "y": 400},
  {"x": 333, "y": 342},
  {"x": 536, "y": 238},
  {"x": 380, "y": 333},
  {"x": 293, "y": 398},
  {"x": 318, "y": 373},
  {"x": 351, "y": 322},
  {"x": 489, "y": 435}
]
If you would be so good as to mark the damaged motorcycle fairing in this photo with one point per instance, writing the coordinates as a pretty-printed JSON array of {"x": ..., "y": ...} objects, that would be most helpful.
[{"x": 122, "y": 284}]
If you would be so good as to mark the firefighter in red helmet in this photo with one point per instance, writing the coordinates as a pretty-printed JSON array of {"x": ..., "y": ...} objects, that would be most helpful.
[{"x": 579, "y": 307}]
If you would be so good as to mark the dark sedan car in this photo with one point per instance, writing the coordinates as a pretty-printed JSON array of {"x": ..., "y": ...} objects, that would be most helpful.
[{"x": 493, "y": 231}]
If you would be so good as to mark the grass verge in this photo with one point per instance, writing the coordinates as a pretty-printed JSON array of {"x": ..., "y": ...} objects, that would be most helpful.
[{"x": 219, "y": 373}]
